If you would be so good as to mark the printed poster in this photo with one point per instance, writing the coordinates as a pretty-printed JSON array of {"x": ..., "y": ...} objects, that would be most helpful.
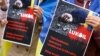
[{"x": 68, "y": 34}]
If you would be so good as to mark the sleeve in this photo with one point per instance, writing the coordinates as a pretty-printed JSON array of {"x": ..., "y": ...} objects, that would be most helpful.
[
  {"x": 95, "y": 6},
  {"x": 98, "y": 7},
  {"x": 48, "y": 6}
]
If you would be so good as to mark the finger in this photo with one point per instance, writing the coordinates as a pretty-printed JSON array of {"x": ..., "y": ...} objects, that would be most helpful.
[
  {"x": 95, "y": 26},
  {"x": 4, "y": 21},
  {"x": 37, "y": 13},
  {"x": 39, "y": 9},
  {"x": 91, "y": 20},
  {"x": 93, "y": 23},
  {"x": 95, "y": 18}
]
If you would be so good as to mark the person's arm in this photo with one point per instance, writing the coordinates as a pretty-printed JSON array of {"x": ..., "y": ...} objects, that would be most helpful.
[
  {"x": 3, "y": 12},
  {"x": 95, "y": 22},
  {"x": 48, "y": 6},
  {"x": 96, "y": 36}
]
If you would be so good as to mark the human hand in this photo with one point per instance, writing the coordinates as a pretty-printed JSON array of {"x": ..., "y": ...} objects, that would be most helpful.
[
  {"x": 38, "y": 12},
  {"x": 93, "y": 21},
  {"x": 3, "y": 22}
]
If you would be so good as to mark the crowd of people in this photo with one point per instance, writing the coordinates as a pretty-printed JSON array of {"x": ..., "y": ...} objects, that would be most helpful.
[{"x": 45, "y": 11}]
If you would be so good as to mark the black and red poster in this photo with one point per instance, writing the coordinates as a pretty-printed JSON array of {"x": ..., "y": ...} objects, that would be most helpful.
[
  {"x": 21, "y": 23},
  {"x": 68, "y": 34}
]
